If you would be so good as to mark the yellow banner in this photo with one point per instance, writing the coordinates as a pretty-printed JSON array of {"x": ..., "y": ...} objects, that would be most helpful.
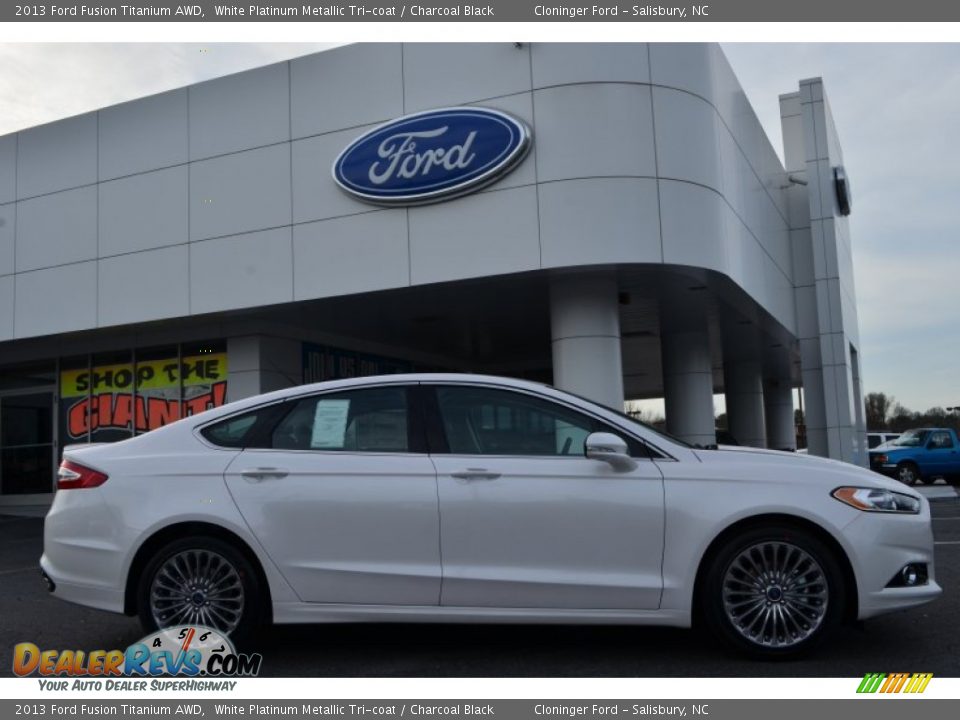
[{"x": 147, "y": 375}]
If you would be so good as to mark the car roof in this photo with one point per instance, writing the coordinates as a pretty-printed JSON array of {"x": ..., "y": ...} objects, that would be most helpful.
[{"x": 398, "y": 378}]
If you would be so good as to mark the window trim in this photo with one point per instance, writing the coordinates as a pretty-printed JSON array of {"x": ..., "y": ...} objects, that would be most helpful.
[
  {"x": 262, "y": 430},
  {"x": 439, "y": 445}
]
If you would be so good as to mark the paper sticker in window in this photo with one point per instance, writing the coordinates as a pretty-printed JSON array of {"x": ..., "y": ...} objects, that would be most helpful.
[{"x": 330, "y": 424}]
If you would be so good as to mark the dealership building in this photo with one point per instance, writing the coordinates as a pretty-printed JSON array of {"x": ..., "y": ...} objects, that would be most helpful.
[{"x": 610, "y": 219}]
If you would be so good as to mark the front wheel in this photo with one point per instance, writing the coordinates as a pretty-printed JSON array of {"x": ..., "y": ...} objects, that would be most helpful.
[
  {"x": 908, "y": 473},
  {"x": 200, "y": 581},
  {"x": 773, "y": 592}
]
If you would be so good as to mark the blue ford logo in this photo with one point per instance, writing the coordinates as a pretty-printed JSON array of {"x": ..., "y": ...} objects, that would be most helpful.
[{"x": 432, "y": 156}]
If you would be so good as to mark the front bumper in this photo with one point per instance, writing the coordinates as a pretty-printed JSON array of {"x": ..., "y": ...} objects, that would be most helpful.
[{"x": 883, "y": 544}]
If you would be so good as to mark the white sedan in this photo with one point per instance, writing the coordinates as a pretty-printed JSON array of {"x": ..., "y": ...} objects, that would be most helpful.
[{"x": 464, "y": 498}]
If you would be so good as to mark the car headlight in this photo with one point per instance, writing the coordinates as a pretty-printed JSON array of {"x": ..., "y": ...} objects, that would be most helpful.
[{"x": 874, "y": 500}]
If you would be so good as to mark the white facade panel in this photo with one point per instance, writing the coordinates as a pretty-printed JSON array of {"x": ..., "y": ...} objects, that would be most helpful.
[
  {"x": 241, "y": 271},
  {"x": 599, "y": 221},
  {"x": 437, "y": 74},
  {"x": 688, "y": 138},
  {"x": 144, "y": 211},
  {"x": 57, "y": 156},
  {"x": 565, "y": 63},
  {"x": 351, "y": 255},
  {"x": 8, "y": 227},
  {"x": 239, "y": 112},
  {"x": 695, "y": 227},
  {"x": 315, "y": 195},
  {"x": 144, "y": 286},
  {"x": 490, "y": 233},
  {"x": 56, "y": 300},
  {"x": 241, "y": 192},
  {"x": 57, "y": 229},
  {"x": 315, "y": 79},
  {"x": 143, "y": 135},
  {"x": 594, "y": 131},
  {"x": 8, "y": 168},
  {"x": 684, "y": 66}
]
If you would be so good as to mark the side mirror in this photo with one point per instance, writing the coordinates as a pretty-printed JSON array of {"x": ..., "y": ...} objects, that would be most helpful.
[{"x": 610, "y": 449}]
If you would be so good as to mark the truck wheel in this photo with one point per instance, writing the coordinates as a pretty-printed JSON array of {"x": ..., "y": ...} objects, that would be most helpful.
[{"x": 908, "y": 473}]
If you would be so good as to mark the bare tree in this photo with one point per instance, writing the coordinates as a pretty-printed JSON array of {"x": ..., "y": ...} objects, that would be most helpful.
[{"x": 878, "y": 407}]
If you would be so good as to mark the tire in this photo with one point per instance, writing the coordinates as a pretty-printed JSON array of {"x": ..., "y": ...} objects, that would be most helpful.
[
  {"x": 908, "y": 473},
  {"x": 196, "y": 565},
  {"x": 773, "y": 592}
]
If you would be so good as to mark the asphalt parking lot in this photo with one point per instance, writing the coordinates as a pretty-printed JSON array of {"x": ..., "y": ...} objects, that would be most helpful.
[{"x": 922, "y": 640}]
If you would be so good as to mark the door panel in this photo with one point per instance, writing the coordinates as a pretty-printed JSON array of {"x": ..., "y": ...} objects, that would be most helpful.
[
  {"x": 941, "y": 454},
  {"x": 548, "y": 528},
  {"x": 550, "y": 533},
  {"x": 354, "y": 522}
]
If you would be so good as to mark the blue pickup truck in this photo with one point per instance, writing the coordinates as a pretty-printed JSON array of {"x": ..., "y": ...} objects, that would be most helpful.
[{"x": 920, "y": 455}]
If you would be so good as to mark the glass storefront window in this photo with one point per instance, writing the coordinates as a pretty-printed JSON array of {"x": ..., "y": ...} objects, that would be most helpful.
[
  {"x": 158, "y": 388},
  {"x": 26, "y": 429},
  {"x": 111, "y": 383},
  {"x": 104, "y": 397},
  {"x": 203, "y": 373}
]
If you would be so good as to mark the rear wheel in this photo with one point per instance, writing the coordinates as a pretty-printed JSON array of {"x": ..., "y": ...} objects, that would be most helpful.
[
  {"x": 773, "y": 592},
  {"x": 200, "y": 581},
  {"x": 908, "y": 473}
]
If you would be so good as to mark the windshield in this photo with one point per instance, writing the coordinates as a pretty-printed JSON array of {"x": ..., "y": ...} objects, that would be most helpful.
[{"x": 912, "y": 438}]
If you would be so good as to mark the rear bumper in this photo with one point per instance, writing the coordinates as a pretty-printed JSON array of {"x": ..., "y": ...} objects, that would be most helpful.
[
  {"x": 100, "y": 597},
  {"x": 82, "y": 561}
]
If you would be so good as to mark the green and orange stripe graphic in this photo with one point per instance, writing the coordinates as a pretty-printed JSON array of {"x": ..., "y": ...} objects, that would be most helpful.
[{"x": 894, "y": 682}]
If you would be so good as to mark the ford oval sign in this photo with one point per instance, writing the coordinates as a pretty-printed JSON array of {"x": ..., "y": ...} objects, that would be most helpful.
[{"x": 432, "y": 156}]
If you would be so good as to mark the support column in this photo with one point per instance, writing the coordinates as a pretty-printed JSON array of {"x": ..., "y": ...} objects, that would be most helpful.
[
  {"x": 743, "y": 387},
  {"x": 259, "y": 363},
  {"x": 778, "y": 408},
  {"x": 688, "y": 385},
  {"x": 585, "y": 331}
]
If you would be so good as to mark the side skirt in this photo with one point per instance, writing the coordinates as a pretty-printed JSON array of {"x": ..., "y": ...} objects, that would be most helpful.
[{"x": 284, "y": 613}]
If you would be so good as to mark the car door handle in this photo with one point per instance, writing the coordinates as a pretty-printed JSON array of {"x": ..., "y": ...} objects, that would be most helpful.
[
  {"x": 475, "y": 474},
  {"x": 263, "y": 473}
]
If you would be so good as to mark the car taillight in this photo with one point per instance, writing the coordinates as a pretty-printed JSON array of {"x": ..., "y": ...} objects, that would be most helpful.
[
  {"x": 73, "y": 476},
  {"x": 880, "y": 458}
]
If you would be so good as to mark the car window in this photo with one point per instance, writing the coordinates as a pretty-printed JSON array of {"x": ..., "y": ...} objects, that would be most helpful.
[
  {"x": 487, "y": 421},
  {"x": 363, "y": 420},
  {"x": 912, "y": 438},
  {"x": 234, "y": 431},
  {"x": 873, "y": 440},
  {"x": 941, "y": 440}
]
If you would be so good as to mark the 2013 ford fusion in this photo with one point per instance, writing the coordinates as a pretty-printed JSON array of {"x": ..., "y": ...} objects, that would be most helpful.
[{"x": 465, "y": 498}]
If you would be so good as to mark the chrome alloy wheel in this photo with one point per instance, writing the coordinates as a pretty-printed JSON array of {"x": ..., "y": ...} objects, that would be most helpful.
[
  {"x": 197, "y": 587},
  {"x": 775, "y": 594}
]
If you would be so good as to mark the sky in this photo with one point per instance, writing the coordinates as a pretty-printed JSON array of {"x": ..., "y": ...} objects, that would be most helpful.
[{"x": 896, "y": 108}]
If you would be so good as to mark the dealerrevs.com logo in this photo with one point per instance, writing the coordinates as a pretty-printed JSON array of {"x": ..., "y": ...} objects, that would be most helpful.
[
  {"x": 182, "y": 651},
  {"x": 894, "y": 682}
]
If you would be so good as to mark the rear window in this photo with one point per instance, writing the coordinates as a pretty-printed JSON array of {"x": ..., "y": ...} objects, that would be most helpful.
[{"x": 236, "y": 431}]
